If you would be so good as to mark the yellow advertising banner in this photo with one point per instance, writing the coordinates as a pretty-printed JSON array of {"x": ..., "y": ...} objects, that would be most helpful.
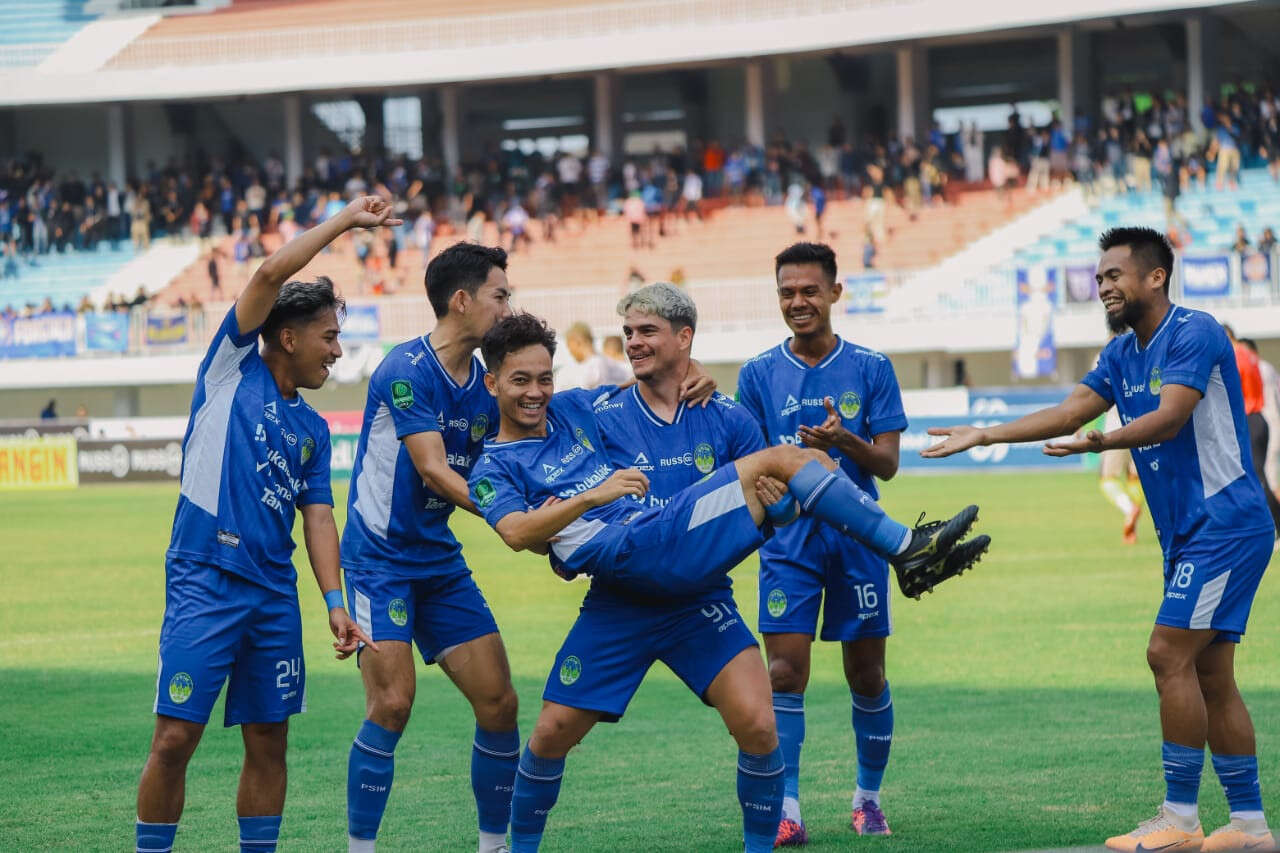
[{"x": 42, "y": 463}]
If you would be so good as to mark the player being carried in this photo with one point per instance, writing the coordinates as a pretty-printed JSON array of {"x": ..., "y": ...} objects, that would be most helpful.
[
  {"x": 550, "y": 447},
  {"x": 427, "y": 415},
  {"x": 1172, "y": 375},
  {"x": 818, "y": 390},
  {"x": 253, "y": 453}
]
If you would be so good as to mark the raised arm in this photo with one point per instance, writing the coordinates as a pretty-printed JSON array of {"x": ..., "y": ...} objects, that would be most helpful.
[
  {"x": 1082, "y": 405},
  {"x": 530, "y": 529},
  {"x": 255, "y": 303},
  {"x": 1176, "y": 405}
]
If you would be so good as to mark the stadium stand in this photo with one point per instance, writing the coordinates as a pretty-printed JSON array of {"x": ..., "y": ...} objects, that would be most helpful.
[
  {"x": 63, "y": 279},
  {"x": 31, "y": 30}
]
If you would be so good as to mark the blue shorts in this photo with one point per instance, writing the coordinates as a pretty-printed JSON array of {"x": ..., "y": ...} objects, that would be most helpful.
[
  {"x": 611, "y": 647},
  {"x": 854, "y": 578},
  {"x": 708, "y": 521},
  {"x": 1210, "y": 583},
  {"x": 219, "y": 625},
  {"x": 437, "y": 612}
]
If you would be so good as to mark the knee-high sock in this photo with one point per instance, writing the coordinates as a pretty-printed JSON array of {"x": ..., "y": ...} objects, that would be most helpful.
[
  {"x": 537, "y": 787},
  {"x": 494, "y": 759},
  {"x": 1239, "y": 777},
  {"x": 837, "y": 500},
  {"x": 873, "y": 730},
  {"x": 259, "y": 834},
  {"x": 1115, "y": 492},
  {"x": 370, "y": 768},
  {"x": 760, "y": 793},
  {"x": 788, "y": 710},
  {"x": 154, "y": 837},
  {"x": 1182, "y": 767}
]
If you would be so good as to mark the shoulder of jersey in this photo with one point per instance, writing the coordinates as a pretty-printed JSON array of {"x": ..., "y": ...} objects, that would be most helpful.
[
  {"x": 767, "y": 355},
  {"x": 863, "y": 352},
  {"x": 1195, "y": 319},
  {"x": 723, "y": 400},
  {"x": 604, "y": 401}
]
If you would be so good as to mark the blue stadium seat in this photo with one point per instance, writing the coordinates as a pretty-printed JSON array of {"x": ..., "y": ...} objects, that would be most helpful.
[{"x": 63, "y": 278}]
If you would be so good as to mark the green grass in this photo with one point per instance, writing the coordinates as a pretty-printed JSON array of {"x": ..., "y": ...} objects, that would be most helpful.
[{"x": 1025, "y": 712}]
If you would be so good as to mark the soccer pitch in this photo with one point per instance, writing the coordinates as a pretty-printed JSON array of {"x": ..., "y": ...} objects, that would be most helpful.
[{"x": 1026, "y": 716}]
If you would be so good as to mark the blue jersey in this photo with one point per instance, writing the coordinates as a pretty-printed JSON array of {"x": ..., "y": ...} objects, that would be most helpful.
[
  {"x": 395, "y": 524},
  {"x": 783, "y": 392},
  {"x": 1201, "y": 482},
  {"x": 250, "y": 456},
  {"x": 678, "y": 454},
  {"x": 517, "y": 476}
]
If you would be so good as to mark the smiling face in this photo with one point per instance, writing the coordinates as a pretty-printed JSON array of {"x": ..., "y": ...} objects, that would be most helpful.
[
  {"x": 313, "y": 347},
  {"x": 1127, "y": 291},
  {"x": 523, "y": 387},
  {"x": 654, "y": 348},
  {"x": 805, "y": 296}
]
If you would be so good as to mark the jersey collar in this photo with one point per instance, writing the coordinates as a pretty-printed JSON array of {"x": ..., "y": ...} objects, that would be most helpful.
[
  {"x": 435, "y": 359},
  {"x": 785, "y": 347},
  {"x": 650, "y": 413},
  {"x": 1168, "y": 317}
]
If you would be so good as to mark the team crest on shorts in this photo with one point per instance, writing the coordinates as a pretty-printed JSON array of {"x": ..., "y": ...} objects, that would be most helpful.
[
  {"x": 776, "y": 603},
  {"x": 479, "y": 426},
  {"x": 1154, "y": 382},
  {"x": 570, "y": 670},
  {"x": 581, "y": 435},
  {"x": 180, "y": 687},
  {"x": 398, "y": 612},
  {"x": 401, "y": 394},
  {"x": 704, "y": 458},
  {"x": 308, "y": 448},
  {"x": 849, "y": 404}
]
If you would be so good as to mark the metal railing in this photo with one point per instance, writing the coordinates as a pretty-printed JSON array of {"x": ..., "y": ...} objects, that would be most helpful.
[{"x": 473, "y": 31}]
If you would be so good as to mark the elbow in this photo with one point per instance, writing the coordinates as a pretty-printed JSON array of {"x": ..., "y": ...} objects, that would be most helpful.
[
  {"x": 515, "y": 541},
  {"x": 889, "y": 470}
]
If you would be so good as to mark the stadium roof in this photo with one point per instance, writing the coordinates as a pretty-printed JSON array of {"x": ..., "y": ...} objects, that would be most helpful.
[{"x": 266, "y": 46}]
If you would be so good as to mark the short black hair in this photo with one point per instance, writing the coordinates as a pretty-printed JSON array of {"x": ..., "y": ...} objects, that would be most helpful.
[
  {"x": 298, "y": 303},
  {"x": 807, "y": 253},
  {"x": 1250, "y": 343},
  {"x": 515, "y": 333},
  {"x": 1148, "y": 247},
  {"x": 462, "y": 266}
]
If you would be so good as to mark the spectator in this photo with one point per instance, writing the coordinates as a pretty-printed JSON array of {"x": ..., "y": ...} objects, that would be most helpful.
[
  {"x": 515, "y": 221},
  {"x": 1241, "y": 244},
  {"x": 795, "y": 206},
  {"x": 611, "y": 348},
  {"x": 633, "y": 209},
  {"x": 589, "y": 369},
  {"x": 50, "y": 411},
  {"x": 1267, "y": 244}
]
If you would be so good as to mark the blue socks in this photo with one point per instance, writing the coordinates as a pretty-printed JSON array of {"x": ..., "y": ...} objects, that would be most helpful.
[
  {"x": 834, "y": 498},
  {"x": 369, "y": 771},
  {"x": 536, "y": 789},
  {"x": 1239, "y": 777},
  {"x": 1182, "y": 767},
  {"x": 873, "y": 729},
  {"x": 760, "y": 793},
  {"x": 788, "y": 710},
  {"x": 259, "y": 834},
  {"x": 494, "y": 758},
  {"x": 155, "y": 837}
]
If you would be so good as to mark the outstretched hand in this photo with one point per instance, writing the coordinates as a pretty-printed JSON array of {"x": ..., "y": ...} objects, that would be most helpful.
[
  {"x": 1090, "y": 442},
  {"x": 370, "y": 211},
  {"x": 958, "y": 439},
  {"x": 348, "y": 634}
]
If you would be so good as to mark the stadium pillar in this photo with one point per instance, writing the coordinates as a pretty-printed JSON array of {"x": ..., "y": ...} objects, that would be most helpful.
[
  {"x": 449, "y": 130},
  {"x": 117, "y": 168},
  {"x": 292, "y": 139},
  {"x": 126, "y": 402},
  {"x": 913, "y": 91},
  {"x": 754, "y": 98},
  {"x": 1066, "y": 78},
  {"x": 1203, "y": 61},
  {"x": 375, "y": 124},
  {"x": 605, "y": 140}
]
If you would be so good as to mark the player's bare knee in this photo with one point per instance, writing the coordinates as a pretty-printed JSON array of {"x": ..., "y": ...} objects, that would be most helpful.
[
  {"x": 391, "y": 709},
  {"x": 497, "y": 712},
  {"x": 1165, "y": 659},
  {"x": 174, "y": 744},
  {"x": 758, "y": 732},
  {"x": 786, "y": 676},
  {"x": 265, "y": 742},
  {"x": 866, "y": 680}
]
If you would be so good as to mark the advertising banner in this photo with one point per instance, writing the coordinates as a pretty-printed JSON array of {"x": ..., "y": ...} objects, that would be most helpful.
[
  {"x": 34, "y": 428},
  {"x": 1206, "y": 277},
  {"x": 46, "y": 463},
  {"x": 864, "y": 294},
  {"x": 361, "y": 325},
  {"x": 106, "y": 332},
  {"x": 41, "y": 336},
  {"x": 1081, "y": 286},
  {"x": 1034, "y": 352},
  {"x": 1255, "y": 275},
  {"x": 343, "y": 457},
  {"x": 129, "y": 460},
  {"x": 166, "y": 329}
]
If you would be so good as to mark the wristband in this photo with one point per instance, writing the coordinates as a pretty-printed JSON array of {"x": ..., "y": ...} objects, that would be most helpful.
[
  {"x": 333, "y": 598},
  {"x": 782, "y": 512}
]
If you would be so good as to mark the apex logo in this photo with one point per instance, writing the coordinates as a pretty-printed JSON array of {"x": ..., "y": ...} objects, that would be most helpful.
[{"x": 790, "y": 407}]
